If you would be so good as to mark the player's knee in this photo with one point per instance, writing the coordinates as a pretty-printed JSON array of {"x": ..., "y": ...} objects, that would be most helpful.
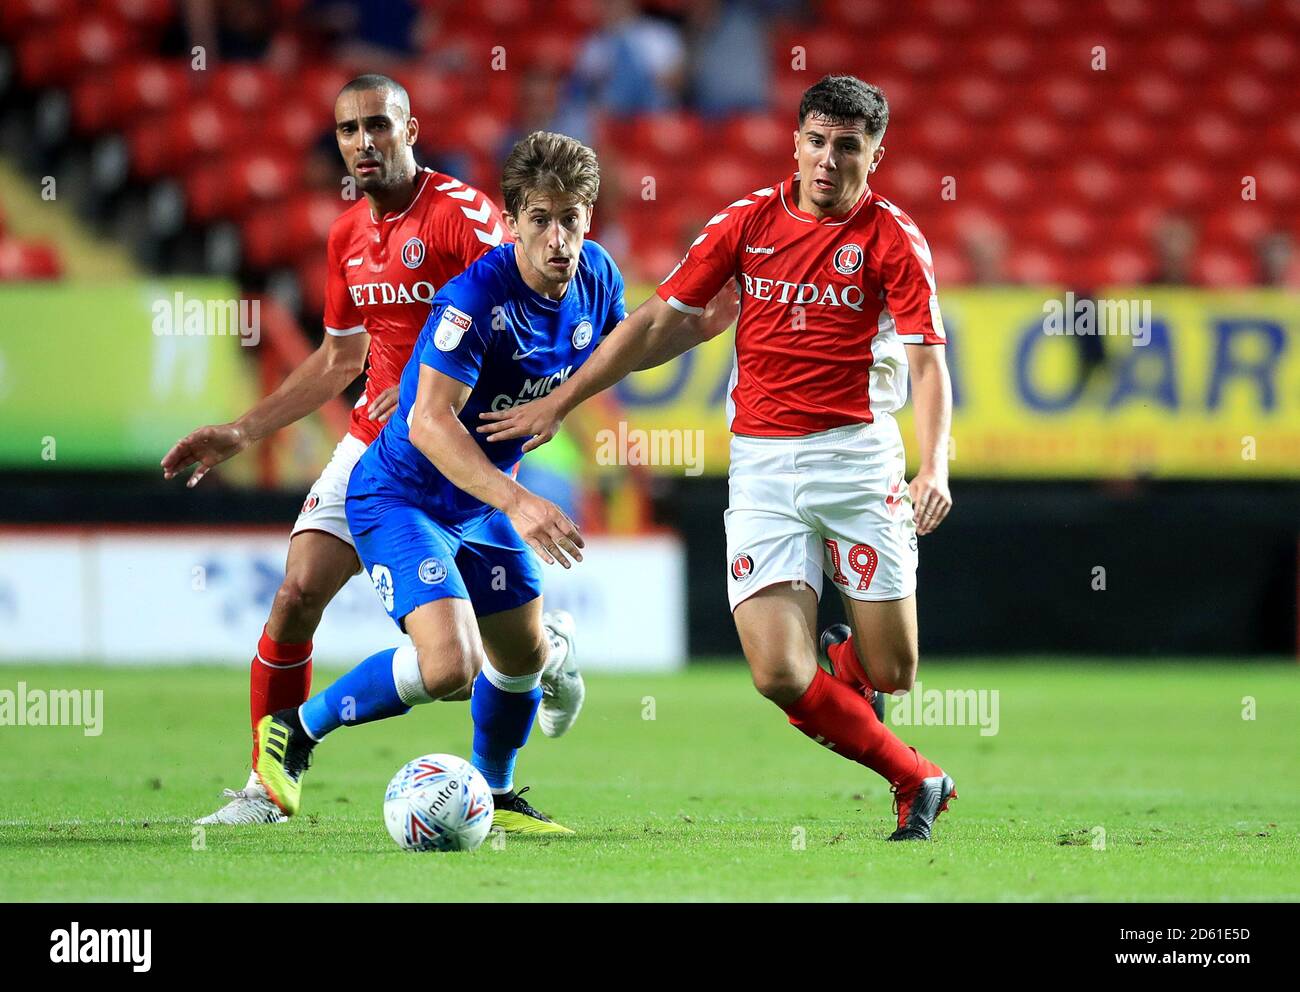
[
  {"x": 779, "y": 683},
  {"x": 446, "y": 669},
  {"x": 297, "y": 602},
  {"x": 897, "y": 671}
]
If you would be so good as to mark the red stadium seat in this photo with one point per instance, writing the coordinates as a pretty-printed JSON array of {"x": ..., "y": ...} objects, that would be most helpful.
[
  {"x": 231, "y": 187},
  {"x": 24, "y": 260},
  {"x": 1185, "y": 54},
  {"x": 1276, "y": 53},
  {"x": 976, "y": 97},
  {"x": 1121, "y": 134},
  {"x": 1277, "y": 182},
  {"x": 1238, "y": 225},
  {"x": 1155, "y": 94},
  {"x": 1092, "y": 181},
  {"x": 1005, "y": 54},
  {"x": 1004, "y": 182},
  {"x": 25, "y": 17},
  {"x": 1036, "y": 137},
  {"x": 247, "y": 86},
  {"x": 766, "y": 137},
  {"x": 1223, "y": 268},
  {"x": 859, "y": 15},
  {"x": 909, "y": 180},
  {"x": 1211, "y": 134},
  {"x": 1030, "y": 264},
  {"x": 1183, "y": 182},
  {"x": 1243, "y": 94}
]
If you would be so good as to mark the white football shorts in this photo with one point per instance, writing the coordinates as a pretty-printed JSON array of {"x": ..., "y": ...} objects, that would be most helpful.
[
  {"x": 834, "y": 503},
  {"x": 323, "y": 509}
]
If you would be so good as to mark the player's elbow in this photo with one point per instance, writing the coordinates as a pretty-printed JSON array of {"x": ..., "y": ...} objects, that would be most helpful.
[
  {"x": 346, "y": 367},
  {"x": 428, "y": 430}
]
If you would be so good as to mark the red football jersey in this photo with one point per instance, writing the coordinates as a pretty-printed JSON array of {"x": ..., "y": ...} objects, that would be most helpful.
[
  {"x": 826, "y": 307},
  {"x": 384, "y": 273}
]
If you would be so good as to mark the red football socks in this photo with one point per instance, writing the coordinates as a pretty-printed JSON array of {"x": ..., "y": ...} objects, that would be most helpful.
[
  {"x": 837, "y": 717},
  {"x": 280, "y": 677},
  {"x": 847, "y": 667}
]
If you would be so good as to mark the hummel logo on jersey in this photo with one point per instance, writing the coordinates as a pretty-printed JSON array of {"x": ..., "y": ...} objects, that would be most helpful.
[
  {"x": 751, "y": 250},
  {"x": 352, "y": 262},
  {"x": 519, "y": 356}
]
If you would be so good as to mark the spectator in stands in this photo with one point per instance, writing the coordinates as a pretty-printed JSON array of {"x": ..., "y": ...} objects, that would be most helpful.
[
  {"x": 228, "y": 30},
  {"x": 1276, "y": 259},
  {"x": 1174, "y": 243},
  {"x": 634, "y": 64},
  {"x": 730, "y": 61},
  {"x": 985, "y": 247},
  {"x": 536, "y": 108},
  {"x": 365, "y": 31}
]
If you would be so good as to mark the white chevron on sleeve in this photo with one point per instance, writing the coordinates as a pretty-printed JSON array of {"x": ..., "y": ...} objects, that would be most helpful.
[
  {"x": 449, "y": 184},
  {"x": 479, "y": 215},
  {"x": 492, "y": 237},
  {"x": 464, "y": 194}
]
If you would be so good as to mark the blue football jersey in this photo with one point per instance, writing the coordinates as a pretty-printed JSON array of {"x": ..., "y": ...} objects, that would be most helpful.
[{"x": 488, "y": 329}]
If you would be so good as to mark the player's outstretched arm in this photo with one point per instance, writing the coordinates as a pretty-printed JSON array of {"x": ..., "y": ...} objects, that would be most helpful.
[
  {"x": 652, "y": 334},
  {"x": 932, "y": 399},
  {"x": 439, "y": 435},
  {"x": 325, "y": 374}
]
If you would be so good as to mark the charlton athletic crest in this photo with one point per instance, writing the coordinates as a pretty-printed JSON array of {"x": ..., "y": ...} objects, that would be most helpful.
[
  {"x": 848, "y": 259},
  {"x": 310, "y": 503},
  {"x": 741, "y": 566},
  {"x": 413, "y": 253}
]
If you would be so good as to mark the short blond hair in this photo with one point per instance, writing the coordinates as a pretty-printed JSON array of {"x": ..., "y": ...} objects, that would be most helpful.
[{"x": 546, "y": 162}]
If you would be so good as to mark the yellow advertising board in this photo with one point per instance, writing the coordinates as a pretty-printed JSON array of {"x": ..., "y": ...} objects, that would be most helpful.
[{"x": 1158, "y": 382}]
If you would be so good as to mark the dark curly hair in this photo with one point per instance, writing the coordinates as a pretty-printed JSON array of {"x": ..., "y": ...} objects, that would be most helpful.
[{"x": 845, "y": 100}]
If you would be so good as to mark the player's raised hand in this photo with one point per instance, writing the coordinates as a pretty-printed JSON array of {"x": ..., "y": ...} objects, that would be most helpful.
[
  {"x": 931, "y": 500},
  {"x": 383, "y": 405},
  {"x": 546, "y": 528},
  {"x": 539, "y": 421},
  {"x": 207, "y": 447}
]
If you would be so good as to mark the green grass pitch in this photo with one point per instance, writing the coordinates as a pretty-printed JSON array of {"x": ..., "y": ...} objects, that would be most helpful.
[{"x": 715, "y": 798}]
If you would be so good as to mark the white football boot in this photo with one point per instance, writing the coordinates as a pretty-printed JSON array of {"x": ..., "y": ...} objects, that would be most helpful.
[
  {"x": 247, "y": 805},
  {"x": 562, "y": 687}
]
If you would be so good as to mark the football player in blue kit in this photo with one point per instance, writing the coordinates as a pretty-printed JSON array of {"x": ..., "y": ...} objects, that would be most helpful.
[{"x": 446, "y": 534}]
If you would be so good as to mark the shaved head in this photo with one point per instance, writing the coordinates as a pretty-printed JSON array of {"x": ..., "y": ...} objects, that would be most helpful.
[
  {"x": 376, "y": 136},
  {"x": 378, "y": 81}
]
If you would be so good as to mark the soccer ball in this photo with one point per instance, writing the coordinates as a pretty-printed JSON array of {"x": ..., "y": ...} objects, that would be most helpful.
[{"x": 438, "y": 803}]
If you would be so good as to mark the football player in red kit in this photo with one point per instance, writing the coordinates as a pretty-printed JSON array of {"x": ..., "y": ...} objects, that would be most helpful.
[
  {"x": 389, "y": 254},
  {"x": 838, "y": 308}
]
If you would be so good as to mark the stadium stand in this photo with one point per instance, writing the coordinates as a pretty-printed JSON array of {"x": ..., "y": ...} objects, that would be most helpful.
[{"x": 1080, "y": 181}]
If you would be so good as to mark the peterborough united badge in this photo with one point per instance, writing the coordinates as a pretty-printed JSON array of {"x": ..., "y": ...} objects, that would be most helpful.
[
  {"x": 432, "y": 571},
  {"x": 741, "y": 566}
]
